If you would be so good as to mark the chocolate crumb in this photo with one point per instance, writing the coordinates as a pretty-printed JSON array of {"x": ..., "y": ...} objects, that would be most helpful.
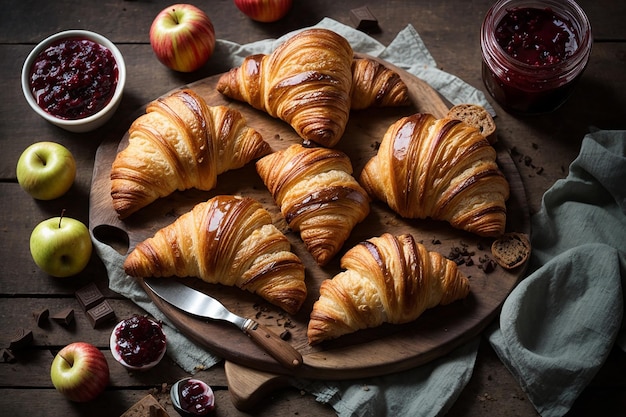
[{"x": 285, "y": 335}]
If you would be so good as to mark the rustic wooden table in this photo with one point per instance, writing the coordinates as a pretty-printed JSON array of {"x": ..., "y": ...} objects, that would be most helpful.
[{"x": 542, "y": 147}]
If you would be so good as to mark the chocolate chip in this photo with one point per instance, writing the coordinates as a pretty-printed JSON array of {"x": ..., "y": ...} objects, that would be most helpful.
[
  {"x": 89, "y": 296},
  {"x": 21, "y": 339},
  {"x": 285, "y": 335},
  {"x": 64, "y": 317},
  {"x": 41, "y": 317},
  {"x": 100, "y": 314},
  {"x": 363, "y": 19}
]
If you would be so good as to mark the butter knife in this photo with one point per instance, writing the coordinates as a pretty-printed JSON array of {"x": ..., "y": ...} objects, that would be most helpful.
[{"x": 199, "y": 304}]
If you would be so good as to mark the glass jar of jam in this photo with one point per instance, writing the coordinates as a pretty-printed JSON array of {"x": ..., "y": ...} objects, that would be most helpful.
[{"x": 534, "y": 52}]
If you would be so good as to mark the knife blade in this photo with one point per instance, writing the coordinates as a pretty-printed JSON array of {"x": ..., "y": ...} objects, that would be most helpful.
[{"x": 199, "y": 304}]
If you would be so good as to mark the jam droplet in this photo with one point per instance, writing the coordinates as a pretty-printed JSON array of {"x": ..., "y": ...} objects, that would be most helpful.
[
  {"x": 140, "y": 341},
  {"x": 73, "y": 78},
  {"x": 535, "y": 36}
]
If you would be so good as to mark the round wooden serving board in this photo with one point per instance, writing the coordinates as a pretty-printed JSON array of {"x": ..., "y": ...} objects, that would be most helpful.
[{"x": 369, "y": 352}]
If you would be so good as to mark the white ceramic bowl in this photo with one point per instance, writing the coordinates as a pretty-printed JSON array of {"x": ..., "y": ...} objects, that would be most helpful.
[
  {"x": 90, "y": 122},
  {"x": 118, "y": 357}
]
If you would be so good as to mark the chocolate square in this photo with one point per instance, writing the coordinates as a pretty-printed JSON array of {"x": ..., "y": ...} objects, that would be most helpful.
[{"x": 89, "y": 296}]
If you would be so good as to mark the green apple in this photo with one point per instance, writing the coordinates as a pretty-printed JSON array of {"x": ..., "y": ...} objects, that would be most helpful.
[
  {"x": 46, "y": 170},
  {"x": 80, "y": 372},
  {"x": 61, "y": 246}
]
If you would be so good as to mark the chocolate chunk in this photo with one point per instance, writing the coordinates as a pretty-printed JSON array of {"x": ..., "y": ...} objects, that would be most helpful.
[
  {"x": 100, "y": 314},
  {"x": 64, "y": 317},
  {"x": 89, "y": 296},
  {"x": 363, "y": 19},
  {"x": 41, "y": 317},
  {"x": 21, "y": 339},
  {"x": 7, "y": 356}
]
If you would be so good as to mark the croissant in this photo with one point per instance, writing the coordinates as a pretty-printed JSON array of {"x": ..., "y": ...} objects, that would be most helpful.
[
  {"x": 375, "y": 85},
  {"x": 317, "y": 195},
  {"x": 227, "y": 240},
  {"x": 387, "y": 279},
  {"x": 305, "y": 82},
  {"x": 442, "y": 169},
  {"x": 180, "y": 143}
]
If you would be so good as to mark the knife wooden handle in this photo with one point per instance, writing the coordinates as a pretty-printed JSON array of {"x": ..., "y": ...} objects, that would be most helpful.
[{"x": 279, "y": 349}]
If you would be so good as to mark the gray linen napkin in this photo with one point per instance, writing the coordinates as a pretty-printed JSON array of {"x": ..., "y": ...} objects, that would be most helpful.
[
  {"x": 559, "y": 324},
  {"x": 427, "y": 391}
]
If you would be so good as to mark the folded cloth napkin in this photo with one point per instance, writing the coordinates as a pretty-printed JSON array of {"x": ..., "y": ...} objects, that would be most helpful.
[
  {"x": 559, "y": 324},
  {"x": 427, "y": 391}
]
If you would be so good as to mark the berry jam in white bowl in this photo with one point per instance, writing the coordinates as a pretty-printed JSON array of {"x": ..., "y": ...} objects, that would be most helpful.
[
  {"x": 74, "y": 79},
  {"x": 138, "y": 343}
]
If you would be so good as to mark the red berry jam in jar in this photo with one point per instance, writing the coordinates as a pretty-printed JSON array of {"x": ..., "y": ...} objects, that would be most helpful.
[
  {"x": 73, "y": 78},
  {"x": 534, "y": 52}
]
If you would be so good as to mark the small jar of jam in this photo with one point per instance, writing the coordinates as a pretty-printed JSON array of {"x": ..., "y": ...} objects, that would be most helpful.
[{"x": 534, "y": 52}]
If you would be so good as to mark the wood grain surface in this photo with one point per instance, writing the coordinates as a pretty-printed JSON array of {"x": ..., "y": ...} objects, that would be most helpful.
[{"x": 382, "y": 350}]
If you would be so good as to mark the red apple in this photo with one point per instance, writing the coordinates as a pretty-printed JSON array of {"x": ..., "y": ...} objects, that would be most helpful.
[
  {"x": 182, "y": 37},
  {"x": 80, "y": 372},
  {"x": 264, "y": 10}
]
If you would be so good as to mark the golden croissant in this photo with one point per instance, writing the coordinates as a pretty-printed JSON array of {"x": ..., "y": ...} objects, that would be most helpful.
[
  {"x": 180, "y": 143},
  {"x": 227, "y": 240},
  {"x": 375, "y": 85},
  {"x": 442, "y": 169},
  {"x": 317, "y": 195},
  {"x": 387, "y": 279},
  {"x": 305, "y": 82}
]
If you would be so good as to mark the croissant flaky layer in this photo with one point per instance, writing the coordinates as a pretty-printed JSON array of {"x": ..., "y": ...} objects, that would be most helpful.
[
  {"x": 375, "y": 85},
  {"x": 387, "y": 279},
  {"x": 442, "y": 169},
  {"x": 305, "y": 82},
  {"x": 180, "y": 143},
  {"x": 227, "y": 240},
  {"x": 317, "y": 195}
]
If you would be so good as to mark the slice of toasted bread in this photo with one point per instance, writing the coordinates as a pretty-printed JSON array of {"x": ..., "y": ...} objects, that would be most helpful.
[
  {"x": 511, "y": 250},
  {"x": 477, "y": 116}
]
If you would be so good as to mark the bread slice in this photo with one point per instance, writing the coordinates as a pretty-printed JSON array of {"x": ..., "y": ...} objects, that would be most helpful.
[
  {"x": 477, "y": 116},
  {"x": 511, "y": 250}
]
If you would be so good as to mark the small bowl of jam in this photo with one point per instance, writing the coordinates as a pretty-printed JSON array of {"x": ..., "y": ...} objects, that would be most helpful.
[
  {"x": 138, "y": 343},
  {"x": 74, "y": 79},
  {"x": 534, "y": 52}
]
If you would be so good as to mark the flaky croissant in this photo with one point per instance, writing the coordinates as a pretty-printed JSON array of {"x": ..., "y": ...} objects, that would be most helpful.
[
  {"x": 317, "y": 195},
  {"x": 227, "y": 240},
  {"x": 375, "y": 85},
  {"x": 442, "y": 169},
  {"x": 305, "y": 82},
  {"x": 387, "y": 279},
  {"x": 180, "y": 143}
]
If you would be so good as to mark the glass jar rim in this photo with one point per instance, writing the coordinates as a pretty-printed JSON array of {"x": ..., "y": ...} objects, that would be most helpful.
[{"x": 567, "y": 8}]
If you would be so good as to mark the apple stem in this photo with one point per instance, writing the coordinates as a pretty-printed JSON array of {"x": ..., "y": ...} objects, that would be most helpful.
[
  {"x": 175, "y": 15},
  {"x": 61, "y": 217}
]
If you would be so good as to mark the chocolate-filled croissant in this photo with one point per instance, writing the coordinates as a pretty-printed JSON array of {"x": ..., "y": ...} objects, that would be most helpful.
[
  {"x": 387, "y": 279},
  {"x": 227, "y": 240},
  {"x": 317, "y": 195},
  {"x": 180, "y": 143},
  {"x": 442, "y": 169}
]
